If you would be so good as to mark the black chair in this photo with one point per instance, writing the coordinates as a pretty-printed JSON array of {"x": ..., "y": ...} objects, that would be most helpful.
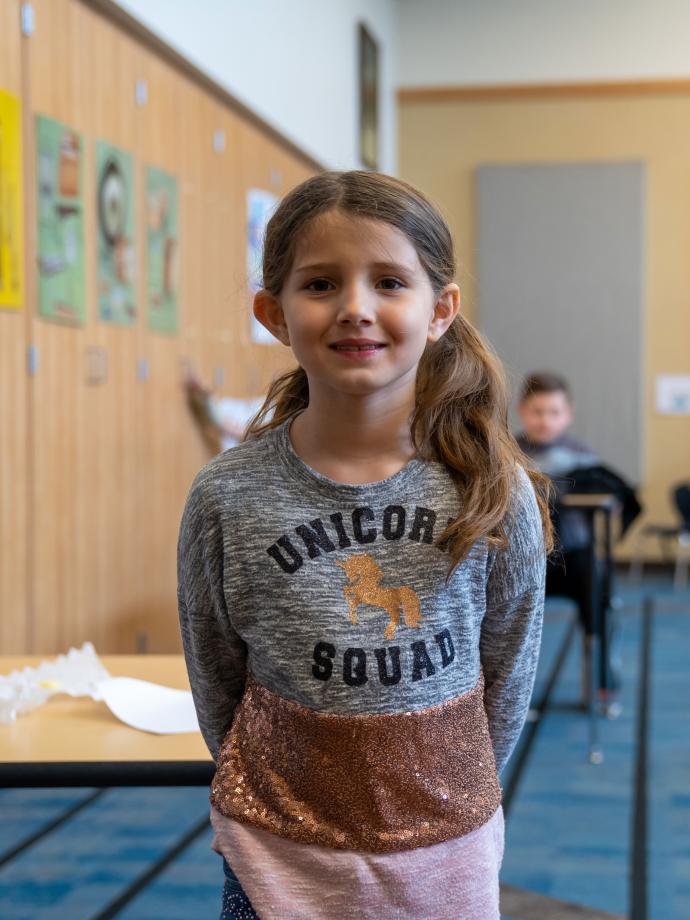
[{"x": 674, "y": 540}]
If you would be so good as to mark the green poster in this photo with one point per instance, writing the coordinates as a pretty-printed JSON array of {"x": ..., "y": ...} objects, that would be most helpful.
[
  {"x": 115, "y": 230},
  {"x": 162, "y": 246},
  {"x": 59, "y": 172}
]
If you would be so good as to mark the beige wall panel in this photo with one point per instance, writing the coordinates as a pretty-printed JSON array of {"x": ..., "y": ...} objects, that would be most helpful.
[
  {"x": 56, "y": 397},
  {"x": 14, "y": 473},
  {"x": 106, "y": 490},
  {"x": 10, "y": 47},
  {"x": 158, "y": 489},
  {"x": 441, "y": 144}
]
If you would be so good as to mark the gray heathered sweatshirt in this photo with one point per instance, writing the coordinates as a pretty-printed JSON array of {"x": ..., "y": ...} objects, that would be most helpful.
[{"x": 334, "y": 596}]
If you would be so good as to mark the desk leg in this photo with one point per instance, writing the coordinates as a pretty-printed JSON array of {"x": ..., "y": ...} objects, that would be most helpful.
[
  {"x": 595, "y": 754},
  {"x": 605, "y": 681},
  {"x": 592, "y": 648}
]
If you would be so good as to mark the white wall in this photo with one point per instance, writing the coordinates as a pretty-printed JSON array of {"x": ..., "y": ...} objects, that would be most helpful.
[
  {"x": 456, "y": 42},
  {"x": 293, "y": 62}
]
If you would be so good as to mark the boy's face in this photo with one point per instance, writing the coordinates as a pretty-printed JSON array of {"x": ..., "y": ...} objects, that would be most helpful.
[{"x": 545, "y": 416}]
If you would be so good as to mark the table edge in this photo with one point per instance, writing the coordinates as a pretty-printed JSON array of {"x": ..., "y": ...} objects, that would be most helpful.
[{"x": 59, "y": 774}]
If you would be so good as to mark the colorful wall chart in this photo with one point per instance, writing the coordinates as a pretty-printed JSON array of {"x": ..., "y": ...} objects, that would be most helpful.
[
  {"x": 115, "y": 230},
  {"x": 59, "y": 172},
  {"x": 260, "y": 206},
  {"x": 162, "y": 249},
  {"x": 11, "y": 208}
]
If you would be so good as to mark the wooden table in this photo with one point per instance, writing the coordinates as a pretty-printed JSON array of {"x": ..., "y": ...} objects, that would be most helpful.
[{"x": 75, "y": 741}]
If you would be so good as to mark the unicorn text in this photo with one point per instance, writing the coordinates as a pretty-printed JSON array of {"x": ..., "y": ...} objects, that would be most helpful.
[{"x": 339, "y": 531}]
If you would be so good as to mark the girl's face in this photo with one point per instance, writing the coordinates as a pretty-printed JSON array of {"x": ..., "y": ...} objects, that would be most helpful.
[{"x": 357, "y": 307}]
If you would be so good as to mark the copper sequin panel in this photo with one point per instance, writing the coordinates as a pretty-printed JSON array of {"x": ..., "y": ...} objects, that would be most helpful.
[{"x": 376, "y": 783}]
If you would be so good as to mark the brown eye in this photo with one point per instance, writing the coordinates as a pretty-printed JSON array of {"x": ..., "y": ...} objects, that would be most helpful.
[
  {"x": 391, "y": 284},
  {"x": 318, "y": 285}
]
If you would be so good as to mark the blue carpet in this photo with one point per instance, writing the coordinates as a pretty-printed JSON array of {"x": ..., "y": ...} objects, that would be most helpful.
[
  {"x": 189, "y": 888},
  {"x": 83, "y": 865},
  {"x": 568, "y": 831},
  {"x": 669, "y": 775}
]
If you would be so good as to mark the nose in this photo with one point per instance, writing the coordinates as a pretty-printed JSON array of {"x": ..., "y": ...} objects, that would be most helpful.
[{"x": 355, "y": 306}]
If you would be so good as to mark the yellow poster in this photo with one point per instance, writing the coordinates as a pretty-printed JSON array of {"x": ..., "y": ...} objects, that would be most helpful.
[{"x": 11, "y": 199}]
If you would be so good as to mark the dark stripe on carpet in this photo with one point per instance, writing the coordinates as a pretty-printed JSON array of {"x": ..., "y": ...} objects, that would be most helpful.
[
  {"x": 638, "y": 852},
  {"x": 114, "y": 908},
  {"x": 51, "y": 826}
]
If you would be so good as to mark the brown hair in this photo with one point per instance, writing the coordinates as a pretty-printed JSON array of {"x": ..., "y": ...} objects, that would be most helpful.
[
  {"x": 544, "y": 382},
  {"x": 461, "y": 404}
]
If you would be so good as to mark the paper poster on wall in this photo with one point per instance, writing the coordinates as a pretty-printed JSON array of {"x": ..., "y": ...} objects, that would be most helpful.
[
  {"x": 115, "y": 230},
  {"x": 673, "y": 394},
  {"x": 59, "y": 173},
  {"x": 260, "y": 207},
  {"x": 162, "y": 249},
  {"x": 11, "y": 207}
]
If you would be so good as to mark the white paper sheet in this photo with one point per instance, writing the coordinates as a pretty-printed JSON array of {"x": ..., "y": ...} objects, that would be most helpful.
[{"x": 150, "y": 707}]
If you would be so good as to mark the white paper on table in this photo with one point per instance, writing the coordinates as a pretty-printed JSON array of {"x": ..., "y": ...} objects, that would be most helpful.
[{"x": 150, "y": 707}]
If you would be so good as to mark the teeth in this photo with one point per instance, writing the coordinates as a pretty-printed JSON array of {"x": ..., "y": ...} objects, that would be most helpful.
[{"x": 356, "y": 347}]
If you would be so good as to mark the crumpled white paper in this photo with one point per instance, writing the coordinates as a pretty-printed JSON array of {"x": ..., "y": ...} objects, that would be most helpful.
[
  {"x": 143, "y": 705},
  {"x": 77, "y": 673}
]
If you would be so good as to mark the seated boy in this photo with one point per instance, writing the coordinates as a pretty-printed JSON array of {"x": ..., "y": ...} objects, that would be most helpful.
[{"x": 546, "y": 413}]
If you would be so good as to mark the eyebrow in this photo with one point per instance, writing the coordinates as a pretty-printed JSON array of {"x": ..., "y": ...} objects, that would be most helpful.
[{"x": 384, "y": 266}]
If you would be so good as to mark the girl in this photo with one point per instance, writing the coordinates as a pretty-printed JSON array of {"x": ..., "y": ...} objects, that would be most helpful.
[{"x": 361, "y": 581}]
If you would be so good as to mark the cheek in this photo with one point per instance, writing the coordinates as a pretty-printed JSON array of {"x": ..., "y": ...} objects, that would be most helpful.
[
  {"x": 303, "y": 328},
  {"x": 406, "y": 324}
]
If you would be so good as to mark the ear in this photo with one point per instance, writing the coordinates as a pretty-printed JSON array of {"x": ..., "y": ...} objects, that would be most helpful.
[
  {"x": 446, "y": 308},
  {"x": 268, "y": 311}
]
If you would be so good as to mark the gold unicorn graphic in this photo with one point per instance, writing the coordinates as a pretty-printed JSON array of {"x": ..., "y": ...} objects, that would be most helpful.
[{"x": 364, "y": 588}]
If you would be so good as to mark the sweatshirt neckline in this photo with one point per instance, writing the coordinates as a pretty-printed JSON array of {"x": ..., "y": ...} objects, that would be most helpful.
[{"x": 310, "y": 477}]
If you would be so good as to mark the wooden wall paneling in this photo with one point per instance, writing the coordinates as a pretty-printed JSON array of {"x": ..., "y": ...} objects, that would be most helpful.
[
  {"x": 222, "y": 234},
  {"x": 115, "y": 540},
  {"x": 14, "y": 471},
  {"x": 231, "y": 267},
  {"x": 161, "y": 134},
  {"x": 211, "y": 255},
  {"x": 57, "y": 89},
  {"x": 192, "y": 449}
]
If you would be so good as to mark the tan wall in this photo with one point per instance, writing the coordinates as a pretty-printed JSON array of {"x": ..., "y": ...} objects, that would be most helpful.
[
  {"x": 94, "y": 476},
  {"x": 443, "y": 141}
]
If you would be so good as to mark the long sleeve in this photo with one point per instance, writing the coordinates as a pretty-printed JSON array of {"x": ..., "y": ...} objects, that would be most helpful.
[
  {"x": 214, "y": 653},
  {"x": 511, "y": 628}
]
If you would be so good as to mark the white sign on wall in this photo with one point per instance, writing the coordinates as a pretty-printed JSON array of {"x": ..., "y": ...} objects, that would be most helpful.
[{"x": 673, "y": 394}]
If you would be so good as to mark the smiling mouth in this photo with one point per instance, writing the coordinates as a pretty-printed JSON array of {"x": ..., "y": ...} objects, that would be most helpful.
[{"x": 353, "y": 347}]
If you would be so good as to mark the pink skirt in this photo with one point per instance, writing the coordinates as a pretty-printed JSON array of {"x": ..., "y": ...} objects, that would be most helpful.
[{"x": 285, "y": 880}]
